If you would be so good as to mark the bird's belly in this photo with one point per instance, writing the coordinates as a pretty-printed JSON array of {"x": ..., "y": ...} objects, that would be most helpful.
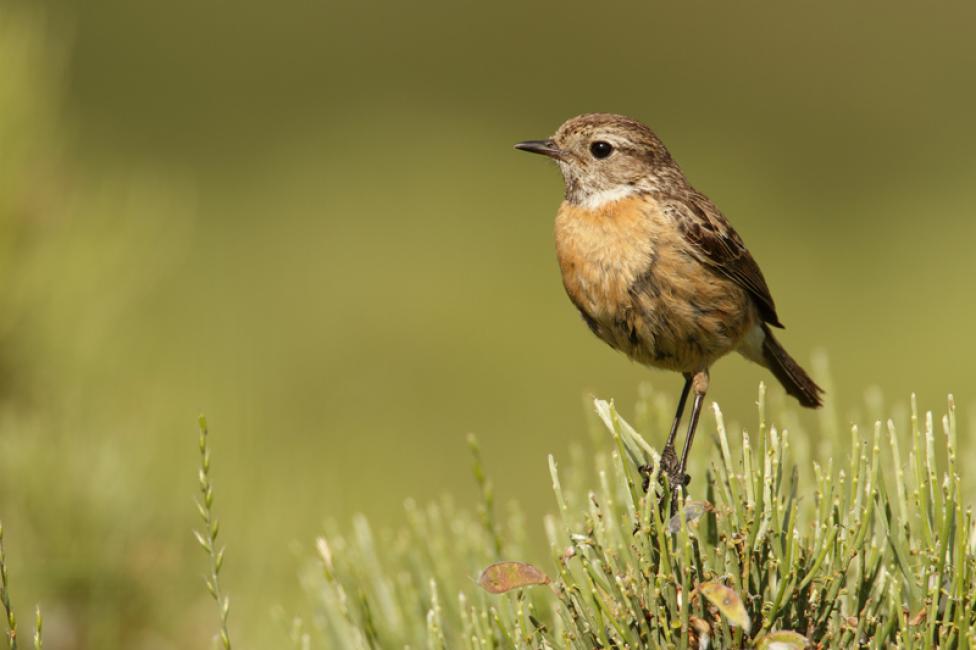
[
  {"x": 685, "y": 333},
  {"x": 675, "y": 314},
  {"x": 686, "y": 326}
]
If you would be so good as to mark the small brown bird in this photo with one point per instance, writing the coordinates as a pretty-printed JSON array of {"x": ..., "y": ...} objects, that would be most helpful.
[{"x": 655, "y": 269}]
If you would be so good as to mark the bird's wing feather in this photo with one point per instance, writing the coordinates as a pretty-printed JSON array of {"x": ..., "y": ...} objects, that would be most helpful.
[{"x": 719, "y": 246}]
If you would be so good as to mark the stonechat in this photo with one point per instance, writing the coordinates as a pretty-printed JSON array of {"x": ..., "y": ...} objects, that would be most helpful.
[{"x": 654, "y": 267}]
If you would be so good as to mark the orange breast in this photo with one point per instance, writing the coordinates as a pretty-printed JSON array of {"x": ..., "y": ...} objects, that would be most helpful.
[
  {"x": 643, "y": 291},
  {"x": 601, "y": 252}
]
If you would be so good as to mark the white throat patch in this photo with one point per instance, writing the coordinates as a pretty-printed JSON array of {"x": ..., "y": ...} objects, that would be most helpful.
[{"x": 599, "y": 199}]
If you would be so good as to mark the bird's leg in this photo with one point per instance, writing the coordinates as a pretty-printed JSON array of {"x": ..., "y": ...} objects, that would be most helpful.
[
  {"x": 669, "y": 459},
  {"x": 677, "y": 416},
  {"x": 700, "y": 384}
]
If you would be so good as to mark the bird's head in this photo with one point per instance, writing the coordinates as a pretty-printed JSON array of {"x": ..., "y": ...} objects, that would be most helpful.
[{"x": 604, "y": 157}]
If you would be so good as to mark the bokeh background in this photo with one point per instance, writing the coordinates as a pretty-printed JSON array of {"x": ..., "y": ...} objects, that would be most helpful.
[{"x": 306, "y": 220}]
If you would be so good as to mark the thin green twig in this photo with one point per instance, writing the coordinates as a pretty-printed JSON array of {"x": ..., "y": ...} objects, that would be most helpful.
[
  {"x": 5, "y": 597},
  {"x": 208, "y": 538}
]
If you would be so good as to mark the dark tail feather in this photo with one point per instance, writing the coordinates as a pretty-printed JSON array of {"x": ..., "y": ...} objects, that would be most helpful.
[{"x": 789, "y": 373}]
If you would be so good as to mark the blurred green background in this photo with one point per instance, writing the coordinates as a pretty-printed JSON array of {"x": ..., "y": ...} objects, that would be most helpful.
[{"x": 306, "y": 219}]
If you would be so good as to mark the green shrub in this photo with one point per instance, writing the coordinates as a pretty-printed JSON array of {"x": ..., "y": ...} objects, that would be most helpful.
[{"x": 859, "y": 557}]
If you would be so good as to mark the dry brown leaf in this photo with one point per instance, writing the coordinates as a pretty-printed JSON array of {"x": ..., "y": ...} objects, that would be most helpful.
[
  {"x": 505, "y": 576},
  {"x": 783, "y": 640},
  {"x": 727, "y": 602}
]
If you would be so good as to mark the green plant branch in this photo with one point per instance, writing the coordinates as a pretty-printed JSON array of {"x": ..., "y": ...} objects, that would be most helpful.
[
  {"x": 5, "y": 597},
  {"x": 208, "y": 538}
]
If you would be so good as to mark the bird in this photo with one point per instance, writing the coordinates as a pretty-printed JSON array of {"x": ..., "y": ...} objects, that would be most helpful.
[{"x": 656, "y": 270}]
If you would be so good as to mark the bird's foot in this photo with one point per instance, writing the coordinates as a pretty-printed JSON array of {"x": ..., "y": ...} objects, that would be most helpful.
[{"x": 671, "y": 467}]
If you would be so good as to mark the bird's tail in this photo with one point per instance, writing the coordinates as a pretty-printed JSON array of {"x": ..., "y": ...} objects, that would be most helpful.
[{"x": 789, "y": 373}]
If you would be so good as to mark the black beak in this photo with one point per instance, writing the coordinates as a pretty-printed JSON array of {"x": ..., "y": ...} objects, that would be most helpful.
[{"x": 545, "y": 147}]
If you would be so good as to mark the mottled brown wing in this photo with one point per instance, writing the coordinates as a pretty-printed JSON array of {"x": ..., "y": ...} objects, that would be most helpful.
[{"x": 721, "y": 248}]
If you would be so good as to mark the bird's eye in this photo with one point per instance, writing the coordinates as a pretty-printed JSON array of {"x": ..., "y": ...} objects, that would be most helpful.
[{"x": 601, "y": 149}]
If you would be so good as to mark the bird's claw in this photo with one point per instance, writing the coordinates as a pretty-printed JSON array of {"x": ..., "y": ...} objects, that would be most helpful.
[{"x": 670, "y": 467}]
